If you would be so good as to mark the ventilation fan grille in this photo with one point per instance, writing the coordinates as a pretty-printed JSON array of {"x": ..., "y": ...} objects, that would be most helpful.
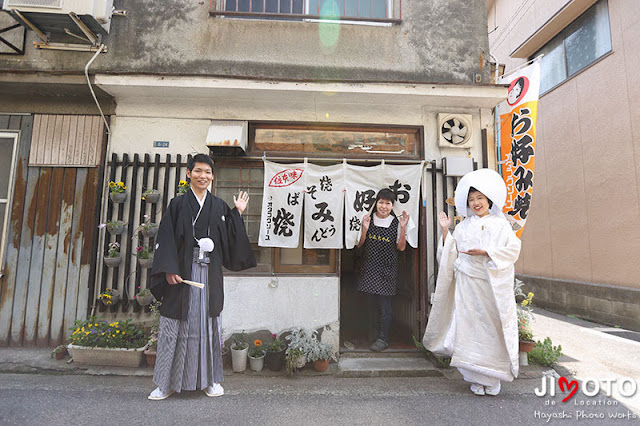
[{"x": 455, "y": 130}]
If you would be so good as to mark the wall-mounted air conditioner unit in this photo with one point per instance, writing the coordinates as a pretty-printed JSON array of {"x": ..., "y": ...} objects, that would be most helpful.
[
  {"x": 37, "y": 10},
  {"x": 454, "y": 130}
]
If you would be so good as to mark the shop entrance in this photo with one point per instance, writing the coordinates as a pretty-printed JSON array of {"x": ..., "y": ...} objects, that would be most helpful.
[{"x": 354, "y": 317}]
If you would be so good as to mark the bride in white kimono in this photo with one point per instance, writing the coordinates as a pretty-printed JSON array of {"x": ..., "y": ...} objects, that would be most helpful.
[{"x": 473, "y": 319}]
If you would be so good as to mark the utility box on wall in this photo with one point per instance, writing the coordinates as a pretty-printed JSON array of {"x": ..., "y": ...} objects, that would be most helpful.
[
  {"x": 457, "y": 166},
  {"x": 227, "y": 138}
]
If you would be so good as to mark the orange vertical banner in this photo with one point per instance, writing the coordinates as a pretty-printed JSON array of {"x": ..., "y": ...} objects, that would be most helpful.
[{"x": 517, "y": 130}]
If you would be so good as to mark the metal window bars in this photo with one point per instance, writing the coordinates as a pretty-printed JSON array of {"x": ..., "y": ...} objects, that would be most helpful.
[{"x": 346, "y": 10}]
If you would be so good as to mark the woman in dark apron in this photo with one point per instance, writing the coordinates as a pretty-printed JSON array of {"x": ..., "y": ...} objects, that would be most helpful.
[{"x": 382, "y": 238}]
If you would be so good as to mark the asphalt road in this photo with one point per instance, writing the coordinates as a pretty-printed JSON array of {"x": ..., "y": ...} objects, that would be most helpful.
[{"x": 32, "y": 399}]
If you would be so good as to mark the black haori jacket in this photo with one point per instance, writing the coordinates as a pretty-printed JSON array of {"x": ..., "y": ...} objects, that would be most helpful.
[{"x": 174, "y": 251}]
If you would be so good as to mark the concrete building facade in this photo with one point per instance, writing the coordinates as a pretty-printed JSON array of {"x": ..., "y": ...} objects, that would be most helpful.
[
  {"x": 580, "y": 238},
  {"x": 175, "y": 70}
]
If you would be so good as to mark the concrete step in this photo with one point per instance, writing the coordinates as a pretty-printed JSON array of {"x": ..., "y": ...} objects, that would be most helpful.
[
  {"x": 389, "y": 353},
  {"x": 389, "y": 366}
]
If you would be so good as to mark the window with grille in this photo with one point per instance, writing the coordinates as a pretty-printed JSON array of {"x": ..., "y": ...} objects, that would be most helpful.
[{"x": 314, "y": 9}]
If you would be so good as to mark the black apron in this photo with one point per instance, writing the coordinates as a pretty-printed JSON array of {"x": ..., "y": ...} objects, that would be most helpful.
[{"x": 379, "y": 273}]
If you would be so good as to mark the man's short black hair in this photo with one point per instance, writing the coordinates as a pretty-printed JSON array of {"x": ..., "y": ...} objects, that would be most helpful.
[{"x": 199, "y": 158}]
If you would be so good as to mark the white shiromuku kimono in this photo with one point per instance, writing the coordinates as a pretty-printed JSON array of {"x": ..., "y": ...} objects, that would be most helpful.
[{"x": 473, "y": 319}]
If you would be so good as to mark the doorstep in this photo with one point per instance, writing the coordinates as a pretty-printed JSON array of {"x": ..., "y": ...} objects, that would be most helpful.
[{"x": 389, "y": 363}]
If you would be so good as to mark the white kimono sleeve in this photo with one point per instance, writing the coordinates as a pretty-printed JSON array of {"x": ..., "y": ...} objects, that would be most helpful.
[
  {"x": 441, "y": 316},
  {"x": 504, "y": 254}
]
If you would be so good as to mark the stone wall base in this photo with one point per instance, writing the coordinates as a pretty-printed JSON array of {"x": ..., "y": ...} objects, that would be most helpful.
[{"x": 604, "y": 304}]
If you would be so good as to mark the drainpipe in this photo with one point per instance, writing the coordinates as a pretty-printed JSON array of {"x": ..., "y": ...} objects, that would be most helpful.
[
  {"x": 86, "y": 74},
  {"x": 101, "y": 49}
]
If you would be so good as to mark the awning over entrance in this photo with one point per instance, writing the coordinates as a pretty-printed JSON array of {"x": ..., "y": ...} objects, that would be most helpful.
[{"x": 213, "y": 93}]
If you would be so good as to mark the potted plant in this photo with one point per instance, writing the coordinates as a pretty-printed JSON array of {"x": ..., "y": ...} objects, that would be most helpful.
[
  {"x": 59, "y": 352},
  {"x": 109, "y": 297},
  {"x": 101, "y": 342},
  {"x": 113, "y": 258},
  {"x": 226, "y": 356},
  {"x": 256, "y": 356},
  {"x": 114, "y": 227},
  {"x": 300, "y": 344},
  {"x": 151, "y": 195},
  {"x": 117, "y": 192},
  {"x": 145, "y": 256},
  {"x": 525, "y": 316},
  {"x": 320, "y": 354},
  {"x": 144, "y": 297},
  {"x": 183, "y": 187},
  {"x": 275, "y": 356},
  {"x": 239, "y": 350},
  {"x": 152, "y": 343},
  {"x": 147, "y": 228}
]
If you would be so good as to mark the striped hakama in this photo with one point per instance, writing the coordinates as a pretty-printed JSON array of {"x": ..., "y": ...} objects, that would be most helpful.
[{"x": 188, "y": 356}]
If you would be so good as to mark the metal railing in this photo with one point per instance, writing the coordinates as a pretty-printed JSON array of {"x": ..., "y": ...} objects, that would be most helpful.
[{"x": 383, "y": 11}]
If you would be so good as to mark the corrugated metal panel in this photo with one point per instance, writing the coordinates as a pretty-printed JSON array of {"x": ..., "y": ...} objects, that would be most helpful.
[
  {"x": 66, "y": 140},
  {"x": 52, "y": 231}
]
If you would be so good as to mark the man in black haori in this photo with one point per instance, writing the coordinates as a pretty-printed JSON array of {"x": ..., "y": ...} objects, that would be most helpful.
[{"x": 198, "y": 235}]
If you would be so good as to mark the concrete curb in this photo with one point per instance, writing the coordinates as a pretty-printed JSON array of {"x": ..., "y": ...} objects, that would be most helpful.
[{"x": 38, "y": 361}]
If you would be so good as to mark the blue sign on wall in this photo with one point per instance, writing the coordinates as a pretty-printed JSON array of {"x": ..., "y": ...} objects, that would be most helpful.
[{"x": 161, "y": 144}]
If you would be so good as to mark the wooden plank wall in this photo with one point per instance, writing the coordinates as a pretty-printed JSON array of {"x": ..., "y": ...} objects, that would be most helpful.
[
  {"x": 60, "y": 140},
  {"x": 51, "y": 240}
]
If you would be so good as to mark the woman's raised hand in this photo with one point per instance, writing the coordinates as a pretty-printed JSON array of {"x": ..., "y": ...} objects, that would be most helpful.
[
  {"x": 366, "y": 220},
  {"x": 404, "y": 219},
  {"x": 444, "y": 220}
]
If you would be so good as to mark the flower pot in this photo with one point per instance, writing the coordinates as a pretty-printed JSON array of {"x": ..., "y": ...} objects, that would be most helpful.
[
  {"x": 301, "y": 361},
  {"x": 118, "y": 197},
  {"x": 526, "y": 345},
  {"x": 145, "y": 300},
  {"x": 146, "y": 263},
  {"x": 112, "y": 262},
  {"x": 321, "y": 365},
  {"x": 226, "y": 357},
  {"x": 150, "y": 355},
  {"x": 117, "y": 229},
  {"x": 256, "y": 363},
  {"x": 152, "y": 197},
  {"x": 275, "y": 360},
  {"x": 115, "y": 297},
  {"x": 149, "y": 231},
  {"x": 239, "y": 359},
  {"x": 60, "y": 353},
  {"x": 107, "y": 356}
]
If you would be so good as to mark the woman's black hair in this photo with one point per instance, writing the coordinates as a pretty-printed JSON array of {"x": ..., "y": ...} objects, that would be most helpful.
[
  {"x": 472, "y": 189},
  {"x": 384, "y": 194}
]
